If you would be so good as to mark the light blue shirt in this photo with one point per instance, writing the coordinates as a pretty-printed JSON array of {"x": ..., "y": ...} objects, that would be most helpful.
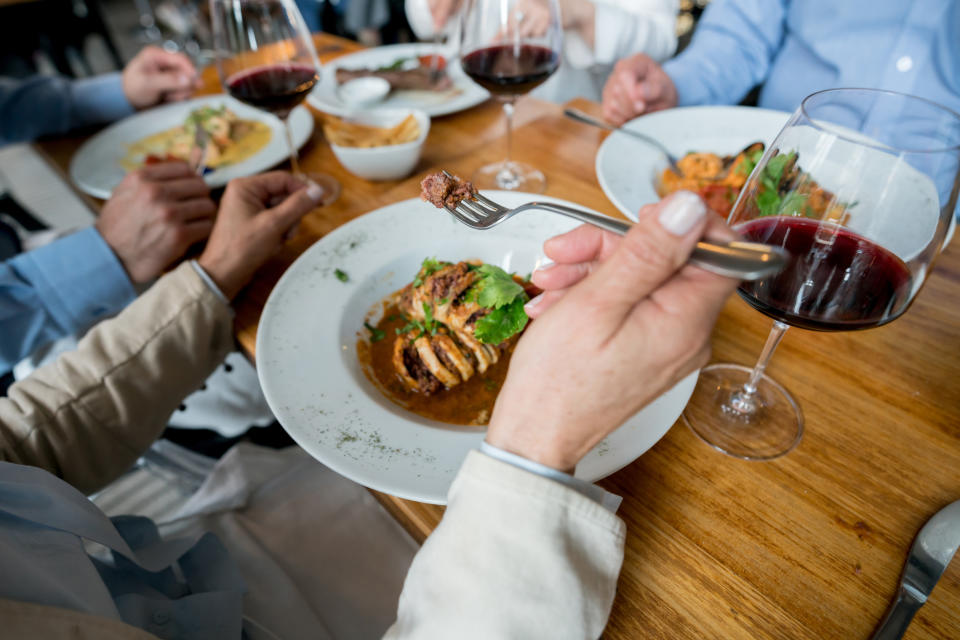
[
  {"x": 45, "y": 105},
  {"x": 59, "y": 289},
  {"x": 797, "y": 48}
]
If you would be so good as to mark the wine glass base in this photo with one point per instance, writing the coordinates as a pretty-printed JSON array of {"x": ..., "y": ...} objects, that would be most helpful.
[
  {"x": 773, "y": 428},
  {"x": 510, "y": 176},
  {"x": 329, "y": 184}
]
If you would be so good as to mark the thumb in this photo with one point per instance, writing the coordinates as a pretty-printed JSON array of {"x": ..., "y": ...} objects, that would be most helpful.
[
  {"x": 286, "y": 214},
  {"x": 168, "y": 81},
  {"x": 651, "y": 252}
]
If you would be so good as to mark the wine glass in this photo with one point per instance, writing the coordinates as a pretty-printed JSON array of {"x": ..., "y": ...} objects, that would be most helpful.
[
  {"x": 509, "y": 47},
  {"x": 860, "y": 188},
  {"x": 266, "y": 59}
]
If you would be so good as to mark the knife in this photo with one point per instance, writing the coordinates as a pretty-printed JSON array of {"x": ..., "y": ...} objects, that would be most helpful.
[{"x": 929, "y": 557}]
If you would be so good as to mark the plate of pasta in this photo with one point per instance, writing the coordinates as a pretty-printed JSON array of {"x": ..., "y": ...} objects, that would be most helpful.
[
  {"x": 382, "y": 348},
  {"x": 717, "y": 148},
  {"x": 241, "y": 141}
]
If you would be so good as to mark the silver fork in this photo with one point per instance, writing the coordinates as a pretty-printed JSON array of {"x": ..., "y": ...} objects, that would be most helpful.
[{"x": 737, "y": 259}]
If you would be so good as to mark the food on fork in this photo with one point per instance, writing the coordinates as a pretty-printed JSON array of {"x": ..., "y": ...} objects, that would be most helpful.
[
  {"x": 344, "y": 133},
  {"x": 442, "y": 346},
  {"x": 405, "y": 74},
  {"x": 717, "y": 179},
  {"x": 443, "y": 190},
  {"x": 230, "y": 140}
]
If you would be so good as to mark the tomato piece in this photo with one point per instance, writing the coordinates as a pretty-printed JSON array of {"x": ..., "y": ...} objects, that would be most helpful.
[
  {"x": 427, "y": 61},
  {"x": 719, "y": 197}
]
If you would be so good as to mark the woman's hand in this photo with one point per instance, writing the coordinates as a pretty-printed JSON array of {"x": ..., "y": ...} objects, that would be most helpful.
[
  {"x": 255, "y": 215},
  {"x": 627, "y": 320},
  {"x": 636, "y": 86}
]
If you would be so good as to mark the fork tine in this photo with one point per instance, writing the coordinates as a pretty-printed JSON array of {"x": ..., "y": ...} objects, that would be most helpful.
[
  {"x": 462, "y": 216},
  {"x": 490, "y": 203},
  {"x": 478, "y": 210}
]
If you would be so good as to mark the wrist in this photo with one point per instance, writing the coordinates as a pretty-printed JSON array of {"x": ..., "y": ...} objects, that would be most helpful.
[
  {"x": 547, "y": 451},
  {"x": 222, "y": 276}
]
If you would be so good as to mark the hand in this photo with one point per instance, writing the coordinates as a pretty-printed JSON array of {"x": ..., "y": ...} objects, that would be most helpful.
[
  {"x": 629, "y": 325},
  {"x": 155, "y": 76},
  {"x": 637, "y": 85},
  {"x": 154, "y": 215},
  {"x": 255, "y": 215}
]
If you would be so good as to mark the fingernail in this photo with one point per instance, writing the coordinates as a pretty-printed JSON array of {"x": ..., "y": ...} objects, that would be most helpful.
[
  {"x": 533, "y": 303},
  {"x": 545, "y": 267},
  {"x": 639, "y": 105},
  {"x": 186, "y": 81},
  {"x": 314, "y": 191},
  {"x": 681, "y": 212}
]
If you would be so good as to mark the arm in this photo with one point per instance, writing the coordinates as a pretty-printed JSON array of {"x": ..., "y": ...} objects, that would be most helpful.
[
  {"x": 731, "y": 51},
  {"x": 42, "y": 105},
  {"x": 61, "y": 288},
  {"x": 516, "y": 556},
  {"x": 603, "y": 31},
  {"x": 88, "y": 416}
]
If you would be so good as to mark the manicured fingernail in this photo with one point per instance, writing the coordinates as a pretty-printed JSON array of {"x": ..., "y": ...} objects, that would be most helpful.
[
  {"x": 314, "y": 191},
  {"x": 681, "y": 212},
  {"x": 533, "y": 303},
  {"x": 545, "y": 267}
]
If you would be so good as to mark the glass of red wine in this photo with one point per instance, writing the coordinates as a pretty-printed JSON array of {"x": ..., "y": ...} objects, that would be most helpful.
[
  {"x": 860, "y": 188},
  {"x": 509, "y": 47},
  {"x": 266, "y": 59}
]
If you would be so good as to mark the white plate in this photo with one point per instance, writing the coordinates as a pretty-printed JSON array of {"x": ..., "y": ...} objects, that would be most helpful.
[
  {"x": 307, "y": 362},
  {"x": 324, "y": 96},
  {"x": 627, "y": 168},
  {"x": 95, "y": 167}
]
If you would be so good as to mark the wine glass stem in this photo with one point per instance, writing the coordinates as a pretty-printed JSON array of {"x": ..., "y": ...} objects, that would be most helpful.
[
  {"x": 743, "y": 402},
  {"x": 508, "y": 109},
  {"x": 294, "y": 162}
]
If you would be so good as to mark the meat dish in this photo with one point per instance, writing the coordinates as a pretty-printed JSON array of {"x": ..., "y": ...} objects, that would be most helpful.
[
  {"x": 442, "y": 190},
  {"x": 451, "y": 329},
  {"x": 405, "y": 74}
]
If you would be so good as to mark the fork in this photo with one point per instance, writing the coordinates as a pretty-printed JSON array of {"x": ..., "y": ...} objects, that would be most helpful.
[{"x": 737, "y": 259}]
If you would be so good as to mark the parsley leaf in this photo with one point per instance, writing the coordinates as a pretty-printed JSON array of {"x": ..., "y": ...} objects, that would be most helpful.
[
  {"x": 429, "y": 323},
  {"x": 769, "y": 200},
  {"x": 376, "y": 335},
  {"x": 341, "y": 275},
  {"x": 428, "y": 268},
  {"x": 410, "y": 326},
  {"x": 794, "y": 204},
  {"x": 496, "y": 288},
  {"x": 502, "y": 323}
]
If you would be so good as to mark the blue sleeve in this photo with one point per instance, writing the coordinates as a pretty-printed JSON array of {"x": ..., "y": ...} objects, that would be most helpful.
[
  {"x": 58, "y": 289},
  {"x": 731, "y": 52},
  {"x": 43, "y": 105}
]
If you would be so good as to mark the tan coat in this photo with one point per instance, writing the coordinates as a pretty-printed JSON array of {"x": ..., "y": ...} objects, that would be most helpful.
[{"x": 516, "y": 555}]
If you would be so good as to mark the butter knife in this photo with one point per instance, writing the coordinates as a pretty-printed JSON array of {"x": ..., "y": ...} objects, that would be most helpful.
[{"x": 929, "y": 557}]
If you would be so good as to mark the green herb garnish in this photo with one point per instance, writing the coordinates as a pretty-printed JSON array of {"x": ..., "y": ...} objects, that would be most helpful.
[
  {"x": 769, "y": 200},
  {"x": 429, "y": 267},
  {"x": 429, "y": 323},
  {"x": 376, "y": 335},
  {"x": 496, "y": 288},
  {"x": 341, "y": 275},
  {"x": 503, "y": 323}
]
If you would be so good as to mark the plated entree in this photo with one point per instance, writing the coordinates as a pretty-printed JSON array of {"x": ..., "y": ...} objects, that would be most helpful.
[
  {"x": 231, "y": 139},
  {"x": 784, "y": 189},
  {"x": 718, "y": 179},
  {"x": 442, "y": 343},
  {"x": 413, "y": 73}
]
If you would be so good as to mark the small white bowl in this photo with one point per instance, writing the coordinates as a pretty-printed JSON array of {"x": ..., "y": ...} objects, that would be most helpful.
[
  {"x": 361, "y": 93},
  {"x": 391, "y": 162}
]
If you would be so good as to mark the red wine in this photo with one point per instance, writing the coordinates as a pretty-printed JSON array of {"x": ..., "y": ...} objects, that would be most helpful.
[
  {"x": 509, "y": 69},
  {"x": 277, "y": 88},
  {"x": 836, "y": 280}
]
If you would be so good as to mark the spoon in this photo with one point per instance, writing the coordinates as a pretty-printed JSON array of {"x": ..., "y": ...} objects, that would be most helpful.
[{"x": 580, "y": 116}]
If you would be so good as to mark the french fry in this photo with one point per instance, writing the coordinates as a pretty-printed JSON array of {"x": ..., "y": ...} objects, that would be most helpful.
[{"x": 344, "y": 133}]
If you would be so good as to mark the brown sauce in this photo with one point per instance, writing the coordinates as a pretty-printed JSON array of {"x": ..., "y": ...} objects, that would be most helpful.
[{"x": 469, "y": 403}]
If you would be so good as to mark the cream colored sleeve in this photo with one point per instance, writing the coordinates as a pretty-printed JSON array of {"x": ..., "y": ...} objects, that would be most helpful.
[
  {"x": 88, "y": 416},
  {"x": 515, "y": 556},
  {"x": 623, "y": 28}
]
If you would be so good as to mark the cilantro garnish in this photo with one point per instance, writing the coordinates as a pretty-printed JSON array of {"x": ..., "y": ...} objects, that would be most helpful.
[
  {"x": 769, "y": 201},
  {"x": 503, "y": 323},
  {"x": 429, "y": 323},
  {"x": 341, "y": 275},
  {"x": 376, "y": 335},
  {"x": 496, "y": 288},
  {"x": 750, "y": 160},
  {"x": 427, "y": 269}
]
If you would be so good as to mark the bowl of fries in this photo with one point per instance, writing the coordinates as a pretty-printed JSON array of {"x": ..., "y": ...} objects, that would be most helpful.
[{"x": 378, "y": 145}]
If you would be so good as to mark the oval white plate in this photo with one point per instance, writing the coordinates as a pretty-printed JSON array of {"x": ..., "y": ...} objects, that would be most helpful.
[
  {"x": 324, "y": 96},
  {"x": 95, "y": 167},
  {"x": 307, "y": 362},
  {"x": 627, "y": 168}
]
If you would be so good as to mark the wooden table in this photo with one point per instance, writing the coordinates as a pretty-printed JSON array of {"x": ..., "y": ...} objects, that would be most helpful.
[{"x": 807, "y": 546}]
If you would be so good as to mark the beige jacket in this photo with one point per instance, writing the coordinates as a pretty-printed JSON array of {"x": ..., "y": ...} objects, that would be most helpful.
[{"x": 516, "y": 555}]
